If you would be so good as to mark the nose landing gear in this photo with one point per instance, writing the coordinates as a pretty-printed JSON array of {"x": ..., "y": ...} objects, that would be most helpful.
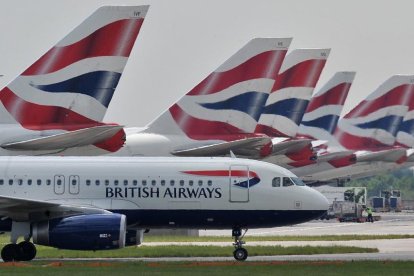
[{"x": 240, "y": 253}]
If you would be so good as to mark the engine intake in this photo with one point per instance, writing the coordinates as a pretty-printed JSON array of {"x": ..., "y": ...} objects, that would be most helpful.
[{"x": 84, "y": 232}]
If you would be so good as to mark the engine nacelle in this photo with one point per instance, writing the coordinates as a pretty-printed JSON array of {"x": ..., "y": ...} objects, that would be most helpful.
[{"x": 84, "y": 232}]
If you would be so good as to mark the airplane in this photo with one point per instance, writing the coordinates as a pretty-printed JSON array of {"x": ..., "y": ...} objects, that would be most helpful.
[
  {"x": 369, "y": 130},
  {"x": 98, "y": 203},
  {"x": 60, "y": 100},
  {"x": 220, "y": 113}
]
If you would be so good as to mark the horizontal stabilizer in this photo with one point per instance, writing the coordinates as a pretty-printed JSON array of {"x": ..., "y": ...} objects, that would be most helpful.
[
  {"x": 334, "y": 155},
  {"x": 76, "y": 138},
  {"x": 289, "y": 146},
  {"x": 248, "y": 147},
  {"x": 391, "y": 155}
]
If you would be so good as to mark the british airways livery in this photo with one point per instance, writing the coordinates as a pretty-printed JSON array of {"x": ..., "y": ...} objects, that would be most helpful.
[
  {"x": 221, "y": 112},
  {"x": 61, "y": 99},
  {"x": 96, "y": 203}
]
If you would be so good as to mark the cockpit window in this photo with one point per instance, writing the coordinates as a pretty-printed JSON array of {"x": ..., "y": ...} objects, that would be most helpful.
[
  {"x": 297, "y": 181},
  {"x": 287, "y": 182},
  {"x": 276, "y": 182}
]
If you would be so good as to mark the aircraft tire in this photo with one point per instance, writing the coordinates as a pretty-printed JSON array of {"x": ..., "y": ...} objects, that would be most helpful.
[
  {"x": 27, "y": 251},
  {"x": 240, "y": 254},
  {"x": 10, "y": 253}
]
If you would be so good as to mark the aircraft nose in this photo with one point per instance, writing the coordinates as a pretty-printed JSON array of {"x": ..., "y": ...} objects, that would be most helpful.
[{"x": 316, "y": 201}]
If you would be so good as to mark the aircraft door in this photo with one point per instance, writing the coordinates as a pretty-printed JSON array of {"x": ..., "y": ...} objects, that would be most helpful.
[
  {"x": 74, "y": 184},
  {"x": 239, "y": 184},
  {"x": 59, "y": 184}
]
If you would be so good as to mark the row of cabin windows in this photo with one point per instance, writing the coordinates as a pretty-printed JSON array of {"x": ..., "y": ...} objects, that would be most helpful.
[
  {"x": 286, "y": 181},
  {"x": 29, "y": 181},
  {"x": 148, "y": 182},
  {"x": 107, "y": 182}
]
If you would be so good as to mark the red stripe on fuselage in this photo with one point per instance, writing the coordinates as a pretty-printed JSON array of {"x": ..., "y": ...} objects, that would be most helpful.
[
  {"x": 227, "y": 173},
  {"x": 103, "y": 42},
  {"x": 264, "y": 65}
]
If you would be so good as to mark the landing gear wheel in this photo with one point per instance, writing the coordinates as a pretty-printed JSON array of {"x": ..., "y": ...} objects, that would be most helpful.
[
  {"x": 27, "y": 251},
  {"x": 10, "y": 253},
  {"x": 240, "y": 254}
]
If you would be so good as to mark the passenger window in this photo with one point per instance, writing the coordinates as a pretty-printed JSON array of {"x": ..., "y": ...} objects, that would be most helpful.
[
  {"x": 48, "y": 181},
  {"x": 59, "y": 182},
  {"x": 144, "y": 183},
  {"x": 39, "y": 182},
  {"x": 287, "y": 182},
  {"x": 162, "y": 182},
  {"x": 191, "y": 182},
  {"x": 97, "y": 182},
  {"x": 154, "y": 182},
  {"x": 209, "y": 183},
  {"x": 181, "y": 182},
  {"x": 200, "y": 183},
  {"x": 125, "y": 182},
  {"x": 10, "y": 181},
  {"x": 1, "y": 181},
  {"x": 135, "y": 182},
  {"x": 88, "y": 182},
  {"x": 29, "y": 182},
  {"x": 172, "y": 182},
  {"x": 276, "y": 182},
  {"x": 106, "y": 182},
  {"x": 116, "y": 182},
  {"x": 20, "y": 181}
]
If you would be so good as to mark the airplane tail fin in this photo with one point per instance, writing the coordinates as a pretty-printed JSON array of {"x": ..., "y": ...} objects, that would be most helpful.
[
  {"x": 325, "y": 107},
  {"x": 373, "y": 124},
  {"x": 291, "y": 92},
  {"x": 73, "y": 83},
  {"x": 229, "y": 101}
]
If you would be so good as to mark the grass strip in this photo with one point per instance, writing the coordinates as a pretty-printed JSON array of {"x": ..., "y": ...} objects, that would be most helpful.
[
  {"x": 248, "y": 238},
  {"x": 197, "y": 251},
  {"x": 308, "y": 268}
]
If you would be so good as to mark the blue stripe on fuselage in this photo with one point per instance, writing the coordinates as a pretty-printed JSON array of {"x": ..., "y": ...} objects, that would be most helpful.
[
  {"x": 407, "y": 126},
  {"x": 253, "y": 181},
  {"x": 250, "y": 103},
  {"x": 99, "y": 85}
]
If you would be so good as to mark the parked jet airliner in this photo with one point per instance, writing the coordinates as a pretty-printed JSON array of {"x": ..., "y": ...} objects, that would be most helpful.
[{"x": 95, "y": 203}]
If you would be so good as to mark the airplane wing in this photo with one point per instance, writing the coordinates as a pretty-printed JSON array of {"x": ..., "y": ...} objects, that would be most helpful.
[
  {"x": 391, "y": 155},
  {"x": 76, "y": 138},
  {"x": 249, "y": 147},
  {"x": 20, "y": 209}
]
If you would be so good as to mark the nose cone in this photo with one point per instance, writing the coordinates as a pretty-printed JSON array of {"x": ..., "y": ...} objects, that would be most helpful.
[{"x": 315, "y": 204}]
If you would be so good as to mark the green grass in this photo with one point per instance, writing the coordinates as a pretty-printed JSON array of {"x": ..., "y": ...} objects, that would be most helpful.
[
  {"x": 210, "y": 268},
  {"x": 248, "y": 238},
  {"x": 196, "y": 251}
]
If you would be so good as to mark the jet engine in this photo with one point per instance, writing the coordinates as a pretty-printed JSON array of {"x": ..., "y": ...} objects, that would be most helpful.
[{"x": 84, "y": 232}]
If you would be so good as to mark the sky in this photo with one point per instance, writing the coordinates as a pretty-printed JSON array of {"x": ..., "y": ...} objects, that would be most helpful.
[{"x": 182, "y": 41}]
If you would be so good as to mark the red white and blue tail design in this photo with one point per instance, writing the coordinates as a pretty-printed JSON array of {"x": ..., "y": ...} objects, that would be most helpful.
[
  {"x": 71, "y": 86},
  {"x": 291, "y": 92},
  {"x": 229, "y": 101},
  {"x": 373, "y": 124},
  {"x": 325, "y": 107},
  {"x": 405, "y": 135}
]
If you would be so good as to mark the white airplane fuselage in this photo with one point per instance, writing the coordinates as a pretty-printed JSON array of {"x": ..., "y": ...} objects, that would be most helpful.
[{"x": 163, "y": 192}]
